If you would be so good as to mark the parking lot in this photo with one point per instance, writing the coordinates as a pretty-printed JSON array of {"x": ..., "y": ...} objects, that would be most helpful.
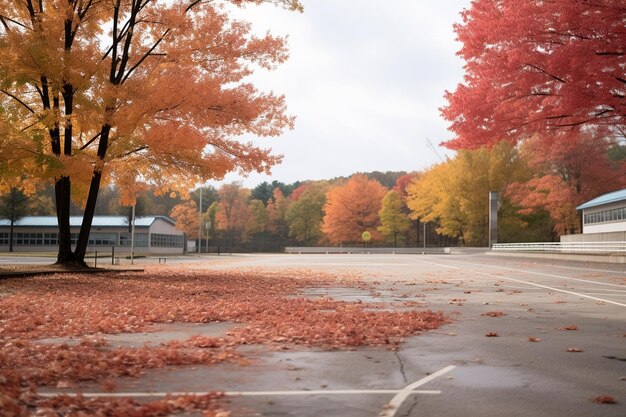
[{"x": 527, "y": 337}]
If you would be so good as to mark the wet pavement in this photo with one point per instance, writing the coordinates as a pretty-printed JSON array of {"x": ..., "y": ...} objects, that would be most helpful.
[{"x": 513, "y": 324}]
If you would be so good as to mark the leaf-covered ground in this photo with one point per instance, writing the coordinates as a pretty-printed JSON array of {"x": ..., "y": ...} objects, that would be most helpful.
[{"x": 266, "y": 307}]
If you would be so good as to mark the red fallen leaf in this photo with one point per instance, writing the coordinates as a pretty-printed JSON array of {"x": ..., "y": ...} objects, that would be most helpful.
[
  {"x": 491, "y": 334},
  {"x": 570, "y": 327},
  {"x": 534, "y": 339},
  {"x": 574, "y": 349},
  {"x": 604, "y": 399},
  {"x": 64, "y": 384},
  {"x": 494, "y": 314},
  {"x": 108, "y": 385}
]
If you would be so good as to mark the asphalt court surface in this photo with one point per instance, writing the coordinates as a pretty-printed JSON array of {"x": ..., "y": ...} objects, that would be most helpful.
[{"x": 529, "y": 365}]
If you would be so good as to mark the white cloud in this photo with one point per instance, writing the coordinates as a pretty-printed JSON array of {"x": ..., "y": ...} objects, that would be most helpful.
[{"x": 365, "y": 80}]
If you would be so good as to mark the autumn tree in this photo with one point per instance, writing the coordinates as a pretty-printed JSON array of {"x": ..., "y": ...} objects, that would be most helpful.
[
  {"x": 258, "y": 219},
  {"x": 233, "y": 212},
  {"x": 187, "y": 218},
  {"x": 276, "y": 209},
  {"x": 569, "y": 169},
  {"x": 454, "y": 194},
  {"x": 209, "y": 217},
  {"x": 304, "y": 215},
  {"x": 536, "y": 66},
  {"x": 130, "y": 92},
  {"x": 13, "y": 206},
  {"x": 393, "y": 218},
  {"x": 352, "y": 209}
]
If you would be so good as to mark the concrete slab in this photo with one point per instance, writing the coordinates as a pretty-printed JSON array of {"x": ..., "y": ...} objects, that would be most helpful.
[{"x": 524, "y": 369}]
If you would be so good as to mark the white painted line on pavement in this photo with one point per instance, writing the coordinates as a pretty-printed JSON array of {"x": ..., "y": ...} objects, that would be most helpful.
[
  {"x": 234, "y": 393},
  {"x": 532, "y": 283},
  {"x": 401, "y": 396},
  {"x": 544, "y": 274}
]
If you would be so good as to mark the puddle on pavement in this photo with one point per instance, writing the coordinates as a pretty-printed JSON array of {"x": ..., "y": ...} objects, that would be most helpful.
[
  {"x": 346, "y": 294},
  {"x": 481, "y": 376},
  {"x": 159, "y": 333}
]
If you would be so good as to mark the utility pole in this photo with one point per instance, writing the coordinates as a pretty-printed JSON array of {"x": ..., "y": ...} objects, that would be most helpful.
[
  {"x": 132, "y": 236},
  {"x": 200, "y": 222},
  {"x": 493, "y": 218}
]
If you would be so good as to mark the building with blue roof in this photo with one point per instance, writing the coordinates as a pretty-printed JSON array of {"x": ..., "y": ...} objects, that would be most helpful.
[
  {"x": 603, "y": 219},
  {"x": 605, "y": 214},
  {"x": 154, "y": 235}
]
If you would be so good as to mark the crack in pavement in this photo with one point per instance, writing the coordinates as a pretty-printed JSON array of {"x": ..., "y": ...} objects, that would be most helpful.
[
  {"x": 401, "y": 366},
  {"x": 410, "y": 410}
]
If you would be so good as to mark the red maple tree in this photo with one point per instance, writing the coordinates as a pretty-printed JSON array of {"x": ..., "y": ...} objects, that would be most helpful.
[
  {"x": 537, "y": 65},
  {"x": 571, "y": 167}
]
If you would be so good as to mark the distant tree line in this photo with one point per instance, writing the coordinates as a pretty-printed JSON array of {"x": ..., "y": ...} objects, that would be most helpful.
[{"x": 540, "y": 184}]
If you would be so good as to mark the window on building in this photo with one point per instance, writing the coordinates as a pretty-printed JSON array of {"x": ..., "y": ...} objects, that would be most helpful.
[
  {"x": 613, "y": 215},
  {"x": 163, "y": 240},
  {"x": 103, "y": 239},
  {"x": 141, "y": 240},
  {"x": 28, "y": 239}
]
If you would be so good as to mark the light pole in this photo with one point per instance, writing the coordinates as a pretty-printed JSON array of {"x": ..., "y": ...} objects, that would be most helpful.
[
  {"x": 132, "y": 235},
  {"x": 200, "y": 222},
  {"x": 208, "y": 228}
]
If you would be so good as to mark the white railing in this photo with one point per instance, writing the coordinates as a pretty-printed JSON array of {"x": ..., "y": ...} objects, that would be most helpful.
[
  {"x": 563, "y": 247},
  {"x": 355, "y": 250}
]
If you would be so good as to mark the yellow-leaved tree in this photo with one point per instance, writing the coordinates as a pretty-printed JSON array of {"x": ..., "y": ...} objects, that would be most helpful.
[
  {"x": 455, "y": 193},
  {"x": 130, "y": 92}
]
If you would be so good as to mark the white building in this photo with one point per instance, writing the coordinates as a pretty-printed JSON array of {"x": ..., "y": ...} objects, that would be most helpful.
[
  {"x": 605, "y": 214},
  {"x": 154, "y": 235},
  {"x": 603, "y": 219}
]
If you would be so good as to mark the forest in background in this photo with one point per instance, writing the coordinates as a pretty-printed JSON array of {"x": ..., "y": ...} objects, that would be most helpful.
[{"x": 540, "y": 184}]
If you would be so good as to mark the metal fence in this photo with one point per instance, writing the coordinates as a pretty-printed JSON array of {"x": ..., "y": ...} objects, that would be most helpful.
[
  {"x": 564, "y": 247},
  {"x": 354, "y": 250}
]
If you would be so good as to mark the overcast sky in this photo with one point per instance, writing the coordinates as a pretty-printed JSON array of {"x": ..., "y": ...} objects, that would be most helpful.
[{"x": 365, "y": 80}]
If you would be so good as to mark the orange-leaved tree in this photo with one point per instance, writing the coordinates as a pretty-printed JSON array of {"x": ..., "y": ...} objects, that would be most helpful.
[
  {"x": 130, "y": 92},
  {"x": 352, "y": 208},
  {"x": 233, "y": 212},
  {"x": 186, "y": 217}
]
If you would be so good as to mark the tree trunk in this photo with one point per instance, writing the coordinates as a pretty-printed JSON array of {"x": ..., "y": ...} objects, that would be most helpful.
[
  {"x": 92, "y": 198},
  {"x": 85, "y": 228},
  {"x": 62, "y": 196}
]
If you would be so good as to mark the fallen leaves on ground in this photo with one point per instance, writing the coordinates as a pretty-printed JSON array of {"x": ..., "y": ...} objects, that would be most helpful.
[
  {"x": 491, "y": 334},
  {"x": 569, "y": 327},
  {"x": 265, "y": 306},
  {"x": 534, "y": 339},
  {"x": 574, "y": 350},
  {"x": 604, "y": 399},
  {"x": 494, "y": 313}
]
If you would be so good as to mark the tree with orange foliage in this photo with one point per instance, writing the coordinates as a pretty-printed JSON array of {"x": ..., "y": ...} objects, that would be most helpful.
[
  {"x": 233, "y": 212},
  {"x": 352, "y": 209},
  {"x": 276, "y": 209},
  {"x": 186, "y": 217},
  {"x": 130, "y": 92},
  {"x": 536, "y": 66}
]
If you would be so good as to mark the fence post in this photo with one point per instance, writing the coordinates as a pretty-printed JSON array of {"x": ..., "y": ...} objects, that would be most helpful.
[
  {"x": 95, "y": 261},
  {"x": 112, "y": 255}
]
